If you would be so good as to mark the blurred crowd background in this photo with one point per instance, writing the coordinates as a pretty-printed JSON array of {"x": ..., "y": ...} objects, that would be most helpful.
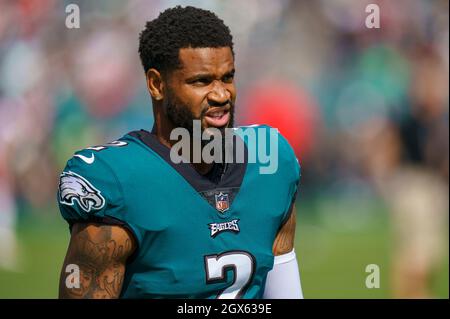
[{"x": 365, "y": 109}]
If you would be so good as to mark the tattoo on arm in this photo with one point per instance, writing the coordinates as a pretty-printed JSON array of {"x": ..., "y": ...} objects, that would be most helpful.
[
  {"x": 100, "y": 252},
  {"x": 284, "y": 241}
]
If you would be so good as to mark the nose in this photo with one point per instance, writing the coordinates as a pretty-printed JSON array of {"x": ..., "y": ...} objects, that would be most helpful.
[{"x": 219, "y": 94}]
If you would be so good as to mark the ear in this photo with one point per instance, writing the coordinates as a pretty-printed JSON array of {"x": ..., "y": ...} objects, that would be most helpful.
[{"x": 155, "y": 84}]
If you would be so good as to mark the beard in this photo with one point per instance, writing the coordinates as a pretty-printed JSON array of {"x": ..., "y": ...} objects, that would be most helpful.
[{"x": 180, "y": 116}]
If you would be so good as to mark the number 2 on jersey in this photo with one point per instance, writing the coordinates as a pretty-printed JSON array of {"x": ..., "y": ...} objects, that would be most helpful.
[{"x": 243, "y": 265}]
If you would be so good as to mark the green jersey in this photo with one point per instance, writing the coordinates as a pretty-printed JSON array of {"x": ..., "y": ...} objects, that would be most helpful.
[{"x": 198, "y": 236}]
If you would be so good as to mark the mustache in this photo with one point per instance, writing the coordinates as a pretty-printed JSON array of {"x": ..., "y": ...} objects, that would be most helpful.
[{"x": 211, "y": 105}]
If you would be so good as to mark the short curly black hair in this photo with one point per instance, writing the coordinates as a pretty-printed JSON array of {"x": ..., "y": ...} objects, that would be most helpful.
[{"x": 177, "y": 28}]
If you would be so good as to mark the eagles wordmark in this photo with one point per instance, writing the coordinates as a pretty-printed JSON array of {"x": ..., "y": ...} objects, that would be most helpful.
[{"x": 217, "y": 228}]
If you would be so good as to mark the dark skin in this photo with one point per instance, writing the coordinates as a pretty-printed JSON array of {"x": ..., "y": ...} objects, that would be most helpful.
[
  {"x": 205, "y": 80},
  {"x": 100, "y": 252}
]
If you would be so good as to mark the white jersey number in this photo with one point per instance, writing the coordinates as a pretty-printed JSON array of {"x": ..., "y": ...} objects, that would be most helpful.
[
  {"x": 243, "y": 265},
  {"x": 99, "y": 148}
]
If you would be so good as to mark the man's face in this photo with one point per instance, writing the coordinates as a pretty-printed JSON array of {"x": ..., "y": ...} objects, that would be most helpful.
[{"x": 202, "y": 89}]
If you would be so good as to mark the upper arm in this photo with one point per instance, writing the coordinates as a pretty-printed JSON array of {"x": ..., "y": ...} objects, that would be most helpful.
[
  {"x": 284, "y": 241},
  {"x": 100, "y": 253}
]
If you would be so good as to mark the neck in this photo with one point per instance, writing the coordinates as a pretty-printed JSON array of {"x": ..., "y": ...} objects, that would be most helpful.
[{"x": 162, "y": 129}]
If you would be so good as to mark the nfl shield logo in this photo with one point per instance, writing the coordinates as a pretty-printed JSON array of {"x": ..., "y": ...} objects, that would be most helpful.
[{"x": 222, "y": 202}]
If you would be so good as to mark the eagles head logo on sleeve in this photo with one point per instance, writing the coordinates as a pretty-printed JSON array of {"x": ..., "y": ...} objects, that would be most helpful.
[{"x": 74, "y": 188}]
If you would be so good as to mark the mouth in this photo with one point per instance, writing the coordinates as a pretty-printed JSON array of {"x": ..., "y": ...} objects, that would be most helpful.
[{"x": 217, "y": 116}]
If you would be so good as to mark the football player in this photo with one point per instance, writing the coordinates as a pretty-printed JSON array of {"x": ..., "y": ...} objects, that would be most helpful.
[{"x": 143, "y": 226}]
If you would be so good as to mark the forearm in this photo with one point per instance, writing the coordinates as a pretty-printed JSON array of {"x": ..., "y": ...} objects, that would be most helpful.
[
  {"x": 96, "y": 258},
  {"x": 283, "y": 281},
  {"x": 92, "y": 283}
]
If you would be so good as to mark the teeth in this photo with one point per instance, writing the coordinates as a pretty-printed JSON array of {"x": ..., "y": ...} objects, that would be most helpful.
[{"x": 216, "y": 114}]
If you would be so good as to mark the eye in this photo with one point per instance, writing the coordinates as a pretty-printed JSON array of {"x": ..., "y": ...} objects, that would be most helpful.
[
  {"x": 201, "y": 81},
  {"x": 228, "y": 78}
]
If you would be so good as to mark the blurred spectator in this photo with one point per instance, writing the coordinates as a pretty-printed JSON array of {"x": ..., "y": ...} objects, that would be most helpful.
[
  {"x": 8, "y": 208},
  {"x": 281, "y": 105},
  {"x": 104, "y": 99}
]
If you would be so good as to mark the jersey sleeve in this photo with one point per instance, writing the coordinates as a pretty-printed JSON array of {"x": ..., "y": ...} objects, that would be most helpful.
[{"x": 89, "y": 191}]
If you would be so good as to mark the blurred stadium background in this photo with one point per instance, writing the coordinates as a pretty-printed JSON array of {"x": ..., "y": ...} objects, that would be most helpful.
[{"x": 365, "y": 109}]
